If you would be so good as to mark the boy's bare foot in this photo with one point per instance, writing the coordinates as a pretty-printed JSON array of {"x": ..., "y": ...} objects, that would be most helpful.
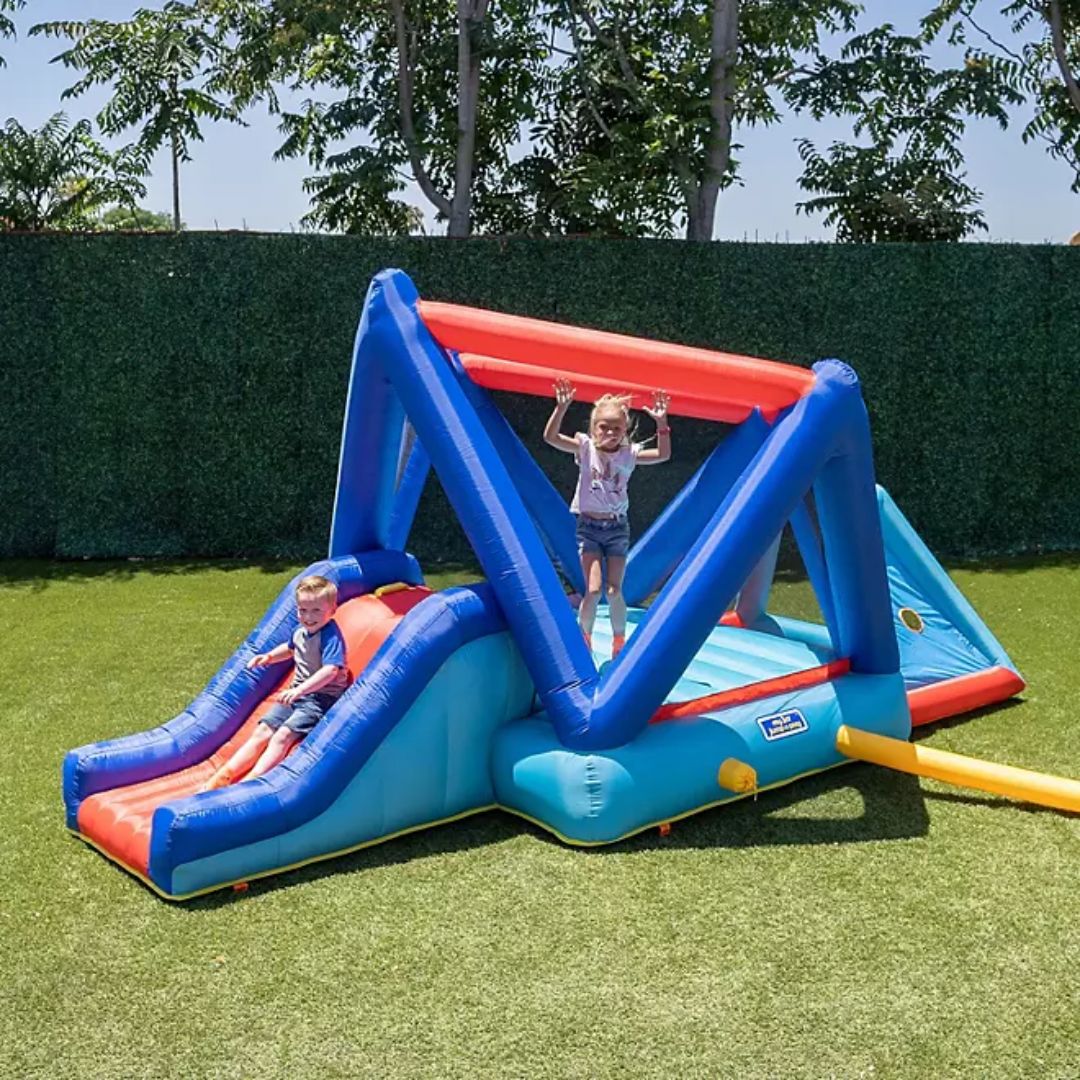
[
  {"x": 222, "y": 778},
  {"x": 617, "y": 643}
]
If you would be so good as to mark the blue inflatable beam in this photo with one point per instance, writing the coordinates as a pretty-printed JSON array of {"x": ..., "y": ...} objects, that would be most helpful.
[
  {"x": 547, "y": 508},
  {"x": 487, "y": 503},
  {"x": 806, "y": 536},
  {"x": 673, "y": 533},
  {"x": 845, "y": 497},
  {"x": 407, "y": 497},
  {"x": 754, "y": 595},
  {"x": 370, "y": 451},
  {"x": 825, "y": 435}
]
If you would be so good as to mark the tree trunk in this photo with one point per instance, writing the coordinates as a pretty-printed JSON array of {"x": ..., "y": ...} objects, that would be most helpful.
[
  {"x": 1057, "y": 40},
  {"x": 175, "y": 153},
  {"x": 470, "y": 14},
  {"x": 724, "y": 46},
  {"x": 405, "y": 111}
]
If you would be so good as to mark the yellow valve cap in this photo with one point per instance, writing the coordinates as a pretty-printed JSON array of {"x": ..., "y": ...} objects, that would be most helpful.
[{"x": 737, "y": 776}]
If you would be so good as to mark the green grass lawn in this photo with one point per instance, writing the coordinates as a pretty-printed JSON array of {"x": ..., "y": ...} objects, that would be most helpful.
[{"x": 855, "y": 924}]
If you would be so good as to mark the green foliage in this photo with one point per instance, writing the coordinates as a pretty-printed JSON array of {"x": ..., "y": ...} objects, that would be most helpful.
[
  {"x": 134, "y": 219},
  {"x": 7, "y": 26},
  {"x": 356, "y": 61},
  {"x": 159, "y": 65},
  {"x": 627, "y": 135},
  {"x": 156, "y": 64},
  {"x": 872, "y": 197},
  {"x": 1042, "y": 60},
  {"x": 58, "y": 177},
  {"x": 908, "y": 183},
  {"x": 154, "y": 387}
]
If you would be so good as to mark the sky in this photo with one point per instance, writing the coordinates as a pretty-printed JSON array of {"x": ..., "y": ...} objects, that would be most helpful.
[{"x": 234, "y": 182}]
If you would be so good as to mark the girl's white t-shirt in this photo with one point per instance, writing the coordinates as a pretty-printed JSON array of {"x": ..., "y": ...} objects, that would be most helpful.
[{"x": 603, "y": 477}]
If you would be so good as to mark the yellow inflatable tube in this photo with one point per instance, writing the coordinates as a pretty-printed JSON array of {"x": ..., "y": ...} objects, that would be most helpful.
[{"x": 1055, "y": 791}]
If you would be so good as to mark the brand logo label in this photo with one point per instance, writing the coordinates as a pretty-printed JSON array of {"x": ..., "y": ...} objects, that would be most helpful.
[{"x": 781, "y": 725}]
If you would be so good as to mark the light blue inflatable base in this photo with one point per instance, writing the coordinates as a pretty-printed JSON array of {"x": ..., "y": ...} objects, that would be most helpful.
[{"x": 672, "y": 769}]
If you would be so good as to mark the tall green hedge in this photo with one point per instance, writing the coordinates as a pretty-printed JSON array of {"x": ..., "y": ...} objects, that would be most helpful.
[{"x": 183, "y": 395}]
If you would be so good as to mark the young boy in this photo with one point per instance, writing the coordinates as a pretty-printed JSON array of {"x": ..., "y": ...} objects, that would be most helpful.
[{"x": 321, "y": 677}]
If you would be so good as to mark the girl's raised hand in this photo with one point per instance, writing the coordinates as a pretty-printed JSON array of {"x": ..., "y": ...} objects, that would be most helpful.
[
  {"x": 564, "y": 392},
  {"x": 659, "y": 406}
]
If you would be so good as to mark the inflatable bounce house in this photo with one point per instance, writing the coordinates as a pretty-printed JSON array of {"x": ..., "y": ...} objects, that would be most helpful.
[{"x": 487, "y": 696}]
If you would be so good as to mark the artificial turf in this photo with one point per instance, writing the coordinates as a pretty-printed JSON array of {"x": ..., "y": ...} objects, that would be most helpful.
[{"x": 855, "y": 924}]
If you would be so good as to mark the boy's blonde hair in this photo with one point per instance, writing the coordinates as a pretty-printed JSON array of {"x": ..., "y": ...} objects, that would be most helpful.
[
  {"x": 316, "y": 585},
  {"x": 613, "y": 403}
]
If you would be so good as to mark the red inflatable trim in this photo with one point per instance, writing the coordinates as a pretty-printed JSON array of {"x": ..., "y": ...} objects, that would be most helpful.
[
  {"x": 962, "y": 694},
  {"x": 509, "y": 352},
  {"x": 740, "y": 695}
]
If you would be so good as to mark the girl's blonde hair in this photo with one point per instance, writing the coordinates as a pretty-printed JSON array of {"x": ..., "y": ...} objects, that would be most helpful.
[{"x": 613, "y": 403}]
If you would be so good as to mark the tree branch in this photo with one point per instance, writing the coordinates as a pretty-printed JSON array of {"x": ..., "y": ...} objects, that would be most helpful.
[
  {"x": 585, "y": 88},
  {"x": 1057, "y": 37},
  {"x": 615, "y": 45},
  {"x": 1000, "y": 45},
  {"x": 405, "y": 112}
]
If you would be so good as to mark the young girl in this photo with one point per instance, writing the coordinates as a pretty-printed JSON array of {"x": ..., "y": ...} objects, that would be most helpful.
[{"x": 606, "y": 458}]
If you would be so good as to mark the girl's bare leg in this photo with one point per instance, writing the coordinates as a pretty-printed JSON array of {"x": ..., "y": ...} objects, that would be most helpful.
[
  {"x": 616, "y": 569},
  {"x": 593, "y": 571},
  {"x": 276, "y": 752}
]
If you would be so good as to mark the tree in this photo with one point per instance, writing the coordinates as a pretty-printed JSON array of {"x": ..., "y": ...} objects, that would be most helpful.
[
  {"x": 134, "y": 219},
  {"x": 160, "y": 65},
  {"x": 873, "y": 197},
  {"x": 7, "y": 26},
  {"x": 58, "y": 177},
  {"x": 908, "y": 184},
  {"x": 406, "y": 88},
  {"x": 642, "y": 125},
  {"x": 1046, "y": 66}
]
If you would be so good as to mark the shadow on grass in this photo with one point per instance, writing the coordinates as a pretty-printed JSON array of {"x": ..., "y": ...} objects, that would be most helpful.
[
  {"x": 996, "y": 802},
  {"x": 38, "y": 574},
  {"x": 1018, "y": 564},
  {"x": 893, "y": 809},
  {"x": 480, "y": 830},
  {"x": 947, "y": 723}
]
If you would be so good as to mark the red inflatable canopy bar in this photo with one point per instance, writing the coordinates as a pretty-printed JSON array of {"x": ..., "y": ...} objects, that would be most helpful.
[{"x": 509, "y": 352}]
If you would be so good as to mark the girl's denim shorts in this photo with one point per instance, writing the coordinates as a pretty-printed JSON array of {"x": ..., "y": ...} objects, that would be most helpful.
[{"x": 603, "y": 536}]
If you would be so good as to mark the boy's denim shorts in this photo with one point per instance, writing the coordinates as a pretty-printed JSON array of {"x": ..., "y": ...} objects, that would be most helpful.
[
  {"x": 302, "y": 716},
  {"x": 603, "y": 536}
]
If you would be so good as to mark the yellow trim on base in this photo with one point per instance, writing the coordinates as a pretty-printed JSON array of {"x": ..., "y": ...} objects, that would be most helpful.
[
  {"x": 280, "y": 869},
  {"x": 569, "y": 841}
]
